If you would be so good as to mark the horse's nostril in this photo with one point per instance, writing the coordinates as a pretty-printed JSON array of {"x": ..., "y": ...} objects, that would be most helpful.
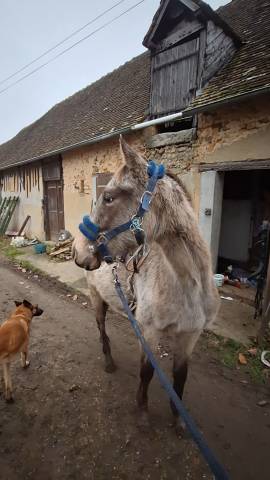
[{"x": 87, "y": 268}]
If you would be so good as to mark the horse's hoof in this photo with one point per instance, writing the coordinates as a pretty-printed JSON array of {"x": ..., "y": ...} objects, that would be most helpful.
[
  {"x": 180, "y": 429},
  {"x": 9, "y": 400},
  {"x": 110, "y": 367},
  {"x": 143, "y": 422}
]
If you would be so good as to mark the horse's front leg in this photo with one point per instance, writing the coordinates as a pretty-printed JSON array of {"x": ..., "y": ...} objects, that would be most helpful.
[
  {"x": 101, "y": 310},
  {"x": 146, "y": 375},
  {"x": 184, "y": 344}
]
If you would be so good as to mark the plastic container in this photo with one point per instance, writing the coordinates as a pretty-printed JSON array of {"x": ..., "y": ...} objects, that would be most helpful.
[
  {"x": 40, "y": 248},
  {"x": 219, "y": 280}
]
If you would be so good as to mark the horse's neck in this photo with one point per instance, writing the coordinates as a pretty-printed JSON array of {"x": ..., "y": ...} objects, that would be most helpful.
[{"x": 172, "y": 255}]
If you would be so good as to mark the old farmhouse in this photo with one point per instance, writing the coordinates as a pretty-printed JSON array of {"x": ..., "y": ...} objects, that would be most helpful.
[{"x": 210, "y": 68}]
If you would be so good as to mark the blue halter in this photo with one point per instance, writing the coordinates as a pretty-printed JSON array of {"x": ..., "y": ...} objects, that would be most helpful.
[{"x": 92, "y": 231}]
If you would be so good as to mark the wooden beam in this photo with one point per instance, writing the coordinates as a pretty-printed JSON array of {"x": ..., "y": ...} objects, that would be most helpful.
[
  {"x": 265, "y": 319},
  {"x": 60, "y": 250},
  {"x": 23, "y": 225},
  {"x": 239, "y": 165},
  {"x": 178, "y": 36},
  {"x": 191, "y": 5}
]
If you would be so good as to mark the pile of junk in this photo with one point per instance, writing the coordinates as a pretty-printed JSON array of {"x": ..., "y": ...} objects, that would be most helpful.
[
  {"x": 241, "y": 278},
  {"x": 61, "y": 250}
]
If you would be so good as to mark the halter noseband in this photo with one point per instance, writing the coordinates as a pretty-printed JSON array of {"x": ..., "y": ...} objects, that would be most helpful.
[{"x": 101, "y": 239}]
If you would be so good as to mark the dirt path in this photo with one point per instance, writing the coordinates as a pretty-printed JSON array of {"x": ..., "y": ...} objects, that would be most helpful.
[{"x": 71, "y": 420}]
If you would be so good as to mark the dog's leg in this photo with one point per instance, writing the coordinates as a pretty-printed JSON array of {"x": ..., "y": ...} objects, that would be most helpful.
[
  {"x": 24, "y": 360},
  {"x": 24, "y": 357},
  {"x": 8, "y": 384}
]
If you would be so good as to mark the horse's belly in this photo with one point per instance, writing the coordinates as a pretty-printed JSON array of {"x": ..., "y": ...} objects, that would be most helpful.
[{"x": 179, "y": 307}]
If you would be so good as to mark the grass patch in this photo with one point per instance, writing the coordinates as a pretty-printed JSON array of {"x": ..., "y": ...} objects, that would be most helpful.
[
  {"x": 227, "y": 351},
  {"x": 8, "y": 250},
  {"x": 13, "y": 254},
  {"x": 28, "y": 266}
]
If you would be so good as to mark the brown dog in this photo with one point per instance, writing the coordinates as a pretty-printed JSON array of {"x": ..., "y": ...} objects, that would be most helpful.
[{"x": 14, "y": 339}]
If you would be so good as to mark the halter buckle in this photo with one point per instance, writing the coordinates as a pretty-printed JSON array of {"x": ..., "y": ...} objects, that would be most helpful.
[
  {"x": 136, "y": 224},
  {"x": 101, "y": 238}
]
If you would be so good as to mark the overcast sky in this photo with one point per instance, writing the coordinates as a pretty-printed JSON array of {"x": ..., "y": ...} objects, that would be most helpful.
[{"x": 29, "y": 27}]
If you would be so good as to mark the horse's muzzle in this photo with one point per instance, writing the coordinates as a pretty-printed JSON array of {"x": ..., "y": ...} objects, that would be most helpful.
[{"x": 88, "y": 262}]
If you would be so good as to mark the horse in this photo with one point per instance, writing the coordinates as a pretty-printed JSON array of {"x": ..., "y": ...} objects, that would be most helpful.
[{"x": 174, "y": 289}]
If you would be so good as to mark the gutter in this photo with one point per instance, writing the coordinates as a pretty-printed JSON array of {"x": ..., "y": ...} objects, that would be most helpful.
[
  {"x": 140, "y": 126},
  {"x": 100, "y": 138}
]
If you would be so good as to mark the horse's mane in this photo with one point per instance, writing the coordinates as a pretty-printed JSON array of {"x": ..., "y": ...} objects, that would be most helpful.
[{"x": 180, "y": 183}]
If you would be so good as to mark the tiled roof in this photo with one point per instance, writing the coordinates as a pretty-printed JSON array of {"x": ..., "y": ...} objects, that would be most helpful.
[
  {"x": 121, "y": 98},
  {"x": 249, "y": 69},
  {"x": 116, "y": 101}
]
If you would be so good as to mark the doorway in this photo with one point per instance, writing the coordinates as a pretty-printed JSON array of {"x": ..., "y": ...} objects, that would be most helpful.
[
  {"x": 246, "y": 204},
  {"x": 53, "y": 197}
]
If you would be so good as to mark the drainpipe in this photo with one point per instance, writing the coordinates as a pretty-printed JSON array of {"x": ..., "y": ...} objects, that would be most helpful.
[
  {"x": 157, "y": 121},
  {"x": 100, "y": 138}
]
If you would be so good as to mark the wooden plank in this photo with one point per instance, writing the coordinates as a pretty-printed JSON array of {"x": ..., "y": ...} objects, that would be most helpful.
[
  {"x": 184, "y": 31},
  {"x": 174, "y": 78},
  {"x": 2, "y": 205},
  {"x": 8, "y": 215},
  {"x": 201, "y": 57},
  {"x": 266, "y": 309},
  {"x": 60, "y": 250},
  {"x": 24, "y": 225},
  {"x": 191, "y": 5},
  {"x": 51, "y": 169},
  {"x": 5, "y": 207},
  {"x": 150, "y": 34},
  {"x": 230, "y": 166},
  {"x": 219, "y": 50}
]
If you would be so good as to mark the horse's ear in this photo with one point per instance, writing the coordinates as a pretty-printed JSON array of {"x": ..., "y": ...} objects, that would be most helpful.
[{"x": 131, "y": 158}]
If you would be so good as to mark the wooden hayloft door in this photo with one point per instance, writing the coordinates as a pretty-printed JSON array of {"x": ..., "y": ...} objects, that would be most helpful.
[{"x": 53, "y": 198}]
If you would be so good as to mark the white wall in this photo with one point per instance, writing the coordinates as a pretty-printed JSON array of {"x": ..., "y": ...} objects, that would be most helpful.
[
  {"x": 211, "y": 197},
  {"x": 30, "y": 201}
]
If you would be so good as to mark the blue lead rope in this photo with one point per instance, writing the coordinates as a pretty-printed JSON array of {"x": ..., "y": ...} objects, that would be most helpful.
[{"x": 216, "y": 468}]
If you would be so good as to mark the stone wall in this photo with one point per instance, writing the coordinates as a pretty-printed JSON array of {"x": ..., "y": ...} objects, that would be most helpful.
[
  {"x": 81, "y": 164},
  {"x": 236, "y": 132}
]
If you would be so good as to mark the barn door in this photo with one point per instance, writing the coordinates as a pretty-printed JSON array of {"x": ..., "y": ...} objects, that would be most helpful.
[
  {"x": 174, "y": 77},
  {"x": 53, "y": 198}
]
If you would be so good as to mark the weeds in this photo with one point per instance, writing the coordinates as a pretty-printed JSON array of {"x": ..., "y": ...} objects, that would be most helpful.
[{"x": 228, "y": 350}]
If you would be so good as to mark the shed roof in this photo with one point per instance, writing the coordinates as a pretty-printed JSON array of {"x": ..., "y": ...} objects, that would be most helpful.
[
  {"x": 121, "y": 98},
  {"x": 115, "y": 101},
  {"x": 249, "y": 69}
]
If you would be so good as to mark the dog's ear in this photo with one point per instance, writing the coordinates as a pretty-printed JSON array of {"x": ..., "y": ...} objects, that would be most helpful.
[
  {"x": 17, "y": 303},
  {"x": 28, "y": 304}
]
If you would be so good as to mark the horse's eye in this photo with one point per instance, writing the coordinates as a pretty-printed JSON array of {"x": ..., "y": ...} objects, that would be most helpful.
[{"x": 107, "y": 198}]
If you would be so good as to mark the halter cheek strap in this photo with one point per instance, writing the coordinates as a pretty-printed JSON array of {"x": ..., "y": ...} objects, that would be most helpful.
[{"x": 92, "y": 231}]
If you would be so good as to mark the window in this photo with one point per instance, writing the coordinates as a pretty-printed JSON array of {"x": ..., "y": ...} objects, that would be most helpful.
[{"x": 100, "y": 181}]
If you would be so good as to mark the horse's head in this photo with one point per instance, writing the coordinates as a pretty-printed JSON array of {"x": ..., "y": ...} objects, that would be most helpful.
[{"x": 118, "y": 203}]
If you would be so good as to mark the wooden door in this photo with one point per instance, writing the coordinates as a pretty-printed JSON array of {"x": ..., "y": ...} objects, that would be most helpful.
[{"x": 53, "y": 198}]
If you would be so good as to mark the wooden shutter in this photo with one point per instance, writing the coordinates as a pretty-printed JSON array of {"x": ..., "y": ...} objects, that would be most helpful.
[{"x": 174, "y": 77}]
